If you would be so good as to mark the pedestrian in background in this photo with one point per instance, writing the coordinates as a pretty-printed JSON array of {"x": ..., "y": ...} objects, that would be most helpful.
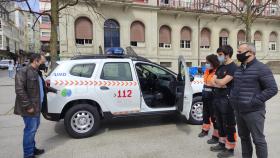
[
  {"x": 224, "y": 112},
  {"x": 30, "y": 96},
  {"x": 46, "y": 66},
  {"x": 11, "y": 69},
  {"x": 254, "y": 84},
  {"x": 212, "y": 63}
]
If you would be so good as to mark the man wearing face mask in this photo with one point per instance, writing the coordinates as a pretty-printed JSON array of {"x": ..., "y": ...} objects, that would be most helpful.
[
  {"x": 30, "y": 96},
  {"x": 224, "y": 112},
  {"x": 254, "y": 84}
]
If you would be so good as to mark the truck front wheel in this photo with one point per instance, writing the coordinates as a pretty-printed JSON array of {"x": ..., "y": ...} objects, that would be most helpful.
[
  {"x": 82, "y": 120},
  {"x": 196, "y": 113}
]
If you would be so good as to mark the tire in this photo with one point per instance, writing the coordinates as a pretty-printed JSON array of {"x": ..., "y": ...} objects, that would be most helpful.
[
  {"x": 196, "y": 113},
  {"x": 82, "y": 121}
]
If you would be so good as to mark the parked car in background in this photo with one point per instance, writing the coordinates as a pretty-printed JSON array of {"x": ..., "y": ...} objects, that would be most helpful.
[{"x": 4, "y": 64}]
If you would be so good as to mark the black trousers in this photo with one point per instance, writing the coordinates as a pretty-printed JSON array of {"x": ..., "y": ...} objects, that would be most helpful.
[
  {"x": 225, "y": 119},
  {"x": 208, "y": 108},
  {"x": 252, "y": 124}
]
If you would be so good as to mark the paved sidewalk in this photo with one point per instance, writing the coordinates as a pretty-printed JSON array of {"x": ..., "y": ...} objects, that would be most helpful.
[{"x": 6, "y": 81}]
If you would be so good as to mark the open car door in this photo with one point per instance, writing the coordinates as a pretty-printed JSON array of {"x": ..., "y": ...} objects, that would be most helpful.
[{"x": 185, "y": 90}]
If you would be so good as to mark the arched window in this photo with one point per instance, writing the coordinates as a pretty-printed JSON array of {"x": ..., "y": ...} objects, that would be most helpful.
[
  {"x": 186, "y": 37},
  {"x": 165, "y": 37},
  {"x": 241, "y": 37},
  {"x": 111, "y": 34},
  {"x": 83, "y": 31},
  {"x": 223, "y": 39},
  {"x": 205, "y": 38},
  {"x": 137, "y": 34},
  {"x": 258, "y": 40},
  {"x": 273, "y": 41}
]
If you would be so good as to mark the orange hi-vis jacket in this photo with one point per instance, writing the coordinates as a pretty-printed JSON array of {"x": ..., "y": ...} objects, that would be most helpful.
[{"x": 208, "y": 77}]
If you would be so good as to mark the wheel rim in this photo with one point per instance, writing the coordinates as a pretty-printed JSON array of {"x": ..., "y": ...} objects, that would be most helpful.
[
  {"x": 197, "y": 111},
  {"x": 82, "y": 121}
]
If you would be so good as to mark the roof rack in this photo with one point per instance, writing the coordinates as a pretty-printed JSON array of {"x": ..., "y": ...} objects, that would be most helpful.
[{"x": 130, "y": 54}]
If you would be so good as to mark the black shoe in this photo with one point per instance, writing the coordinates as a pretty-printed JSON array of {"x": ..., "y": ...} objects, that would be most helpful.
[
  {"x": 218, "y": 148},
  {"x": 226, "y": 153},
  {"x": 203, "y": 134},
  {"x": 213, "y": 140},
  {"x": 39, "y": 151}
]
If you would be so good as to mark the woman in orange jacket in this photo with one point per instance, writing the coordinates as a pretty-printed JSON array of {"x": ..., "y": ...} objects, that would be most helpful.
[{"x": 212, "y": 63}]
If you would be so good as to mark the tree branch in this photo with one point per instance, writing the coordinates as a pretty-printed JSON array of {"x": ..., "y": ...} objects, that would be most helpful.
[{"x": 69, "y": 4}]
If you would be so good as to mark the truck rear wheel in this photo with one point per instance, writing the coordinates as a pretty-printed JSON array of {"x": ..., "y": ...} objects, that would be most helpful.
[{"x": 82, "y": 121}]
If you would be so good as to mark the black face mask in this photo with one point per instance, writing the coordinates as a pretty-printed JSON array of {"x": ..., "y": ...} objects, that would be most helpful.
[
  {"x": 42, "y": 67},
  {"x": 242, "y": 57}
]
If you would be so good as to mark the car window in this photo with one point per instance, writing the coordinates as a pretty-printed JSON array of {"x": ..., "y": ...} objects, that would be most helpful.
[
  {"x": 146, "y": 68},
  {"x": 82, "y": 70},
  {"x": 116, "y": 72},
  {"x": 155, "y": 70}
]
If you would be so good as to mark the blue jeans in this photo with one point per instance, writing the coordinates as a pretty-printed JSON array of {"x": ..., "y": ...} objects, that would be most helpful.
[
  {"x": 10, "y": 73},
  {"x": 31, "y": 126}
]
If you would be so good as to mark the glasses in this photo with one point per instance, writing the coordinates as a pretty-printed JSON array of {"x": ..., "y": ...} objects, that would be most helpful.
[{"x": 239, "y": 52}]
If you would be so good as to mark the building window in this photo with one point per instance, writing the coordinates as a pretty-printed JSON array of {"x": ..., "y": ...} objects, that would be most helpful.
[
  {"x": 186, "y": 35},
  {"x": 45, "y": 34},
  {"x": 45, "y": 19},
  {"x": 189, "y": 64},
  {"x": 116, "y": 72},
  {"x": 272, "y": 46},
  {"x": 203, "y": 63},
  {"x": 83, "y": 41},
  {"x": 83, "y": 70},
  {"x": 223, "y": 38},
  {"x": 166, "y": 64},
  {"x": 205, "y": 38},
  {"x": 137, "y": 34},
  {"x": 185, "y": 44},
  {"x": 273, "y": 41},
  {"x": 241, "y": 37},
  {"x": 1, "y": 41},
  {"x": 165, "y": 37},
  {"x": 165, "y": 1},
  {"x": 258, "y": 40},
  {"x": 83, "y": 31},
  {"x": 0, "y": 24}
]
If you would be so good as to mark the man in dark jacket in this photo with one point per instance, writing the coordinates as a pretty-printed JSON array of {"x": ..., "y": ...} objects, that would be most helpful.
[
  {"x": 30, "y": 95},
  {"x": 254, "y": 84}
]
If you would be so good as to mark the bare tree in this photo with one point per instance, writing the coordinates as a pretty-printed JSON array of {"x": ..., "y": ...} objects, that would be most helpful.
[
  {"x": 53, "y": 13},
  {"x": 247, "y": 11}
]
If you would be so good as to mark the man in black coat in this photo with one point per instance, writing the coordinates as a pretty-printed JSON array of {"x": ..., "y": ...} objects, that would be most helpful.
[{"x": 254, "y": 84}]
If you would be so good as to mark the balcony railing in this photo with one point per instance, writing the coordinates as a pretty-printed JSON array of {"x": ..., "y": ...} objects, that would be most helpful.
[{"x": 216, "y": 7}]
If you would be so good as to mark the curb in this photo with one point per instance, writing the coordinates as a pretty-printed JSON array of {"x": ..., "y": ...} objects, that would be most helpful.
[{"x": 7, "y": 85}]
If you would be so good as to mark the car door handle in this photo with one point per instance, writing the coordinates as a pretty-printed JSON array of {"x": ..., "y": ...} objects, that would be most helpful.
[{"x": 104, "y": 88}]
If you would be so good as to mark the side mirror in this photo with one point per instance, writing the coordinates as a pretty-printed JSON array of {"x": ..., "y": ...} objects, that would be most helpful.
[{"x": 191, "y": 78}]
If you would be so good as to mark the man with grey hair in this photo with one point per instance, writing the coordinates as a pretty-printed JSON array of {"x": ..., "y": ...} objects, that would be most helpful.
[{"x": 254, "y": 84}]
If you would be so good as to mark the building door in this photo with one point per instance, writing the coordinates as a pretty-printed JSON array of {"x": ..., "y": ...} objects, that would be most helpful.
[{"x": 111, "y": 34}]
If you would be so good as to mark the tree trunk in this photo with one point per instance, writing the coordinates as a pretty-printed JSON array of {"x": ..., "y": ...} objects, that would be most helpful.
[
  {"x": 54, "y": 33},
  {"x": 248, "y": 20},
  {"x": 248, "y": 32}
]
